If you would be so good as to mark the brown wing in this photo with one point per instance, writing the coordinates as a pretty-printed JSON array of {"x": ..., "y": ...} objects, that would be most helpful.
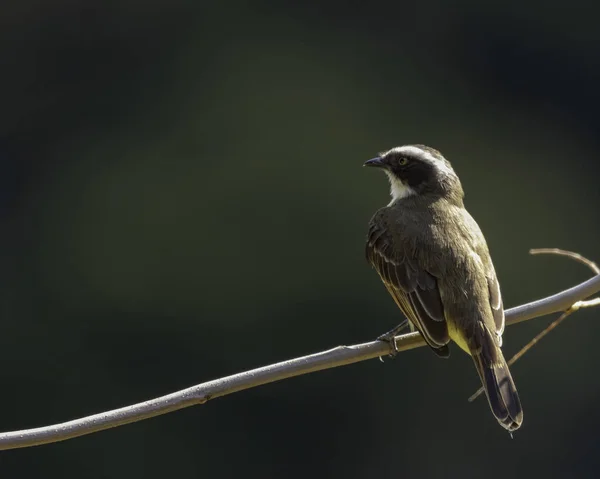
[
  {"x": 496, "y": 300},
  {"x": 495, "y": 297},
  {"x": 414, "y": 290}
]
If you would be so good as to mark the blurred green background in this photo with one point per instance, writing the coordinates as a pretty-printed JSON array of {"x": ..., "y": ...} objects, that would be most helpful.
[{"x": 182, "y": 198}]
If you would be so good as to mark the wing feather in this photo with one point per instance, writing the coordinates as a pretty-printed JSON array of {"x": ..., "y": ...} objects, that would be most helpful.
[
  {"x": 496, "y": 301},
  {"x": 414, "y": 290}
]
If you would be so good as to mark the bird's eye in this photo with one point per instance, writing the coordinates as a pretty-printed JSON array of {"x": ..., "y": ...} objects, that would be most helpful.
[{"x": 403, "y": 161}]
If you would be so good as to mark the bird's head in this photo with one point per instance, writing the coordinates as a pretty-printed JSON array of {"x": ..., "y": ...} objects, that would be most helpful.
[{"x": 418, "y": 170}]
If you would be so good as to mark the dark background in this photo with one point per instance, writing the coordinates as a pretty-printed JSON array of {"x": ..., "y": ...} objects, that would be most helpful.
[{"x": 182, "y": 198}]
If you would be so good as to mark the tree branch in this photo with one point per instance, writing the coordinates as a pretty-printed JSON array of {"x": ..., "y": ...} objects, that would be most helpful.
[
  {"x": 332, "y": 358},
  {"x": 568, "y": 312}
]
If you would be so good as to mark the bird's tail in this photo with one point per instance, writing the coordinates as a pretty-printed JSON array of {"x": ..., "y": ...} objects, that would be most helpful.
[{"x": 499, "y": 386}]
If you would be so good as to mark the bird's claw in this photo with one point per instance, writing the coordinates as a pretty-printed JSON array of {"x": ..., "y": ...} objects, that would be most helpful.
[{"x": 390, "y": 338}]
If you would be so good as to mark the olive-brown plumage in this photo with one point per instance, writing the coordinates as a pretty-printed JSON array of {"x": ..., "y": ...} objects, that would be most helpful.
[{"x": 434, "y": 262}]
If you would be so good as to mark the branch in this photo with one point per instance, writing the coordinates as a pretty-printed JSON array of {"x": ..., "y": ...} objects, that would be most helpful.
[
  {"x": 202, "y": 393},
  {"x": 568, "y": 312}
]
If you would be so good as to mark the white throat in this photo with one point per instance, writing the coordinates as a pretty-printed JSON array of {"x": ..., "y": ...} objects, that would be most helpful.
[{"x": 398, "y": 189}]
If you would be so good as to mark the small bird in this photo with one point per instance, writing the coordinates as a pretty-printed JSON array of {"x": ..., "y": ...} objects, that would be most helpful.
[{"x": 435, "y": 263}]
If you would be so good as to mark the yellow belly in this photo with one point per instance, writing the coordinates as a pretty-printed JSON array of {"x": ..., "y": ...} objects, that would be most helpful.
[{"x": 457, "y": 336}]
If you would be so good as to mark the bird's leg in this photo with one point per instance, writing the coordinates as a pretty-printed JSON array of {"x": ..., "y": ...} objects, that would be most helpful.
[{"x": 390, "y": 337}]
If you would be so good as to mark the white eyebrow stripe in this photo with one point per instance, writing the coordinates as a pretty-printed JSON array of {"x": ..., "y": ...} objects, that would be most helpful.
[{"x": 416, "y": 151}]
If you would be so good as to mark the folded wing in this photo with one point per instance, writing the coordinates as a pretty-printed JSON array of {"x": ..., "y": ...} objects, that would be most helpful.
[{"x": 414, "y": 289}]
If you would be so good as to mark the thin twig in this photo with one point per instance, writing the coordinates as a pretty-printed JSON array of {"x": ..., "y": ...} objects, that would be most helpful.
[
  {"x": 528, "y": 346},
  {"x": 202, "y": 393},
  {"x": 573, "y": 308},
  {"x": 561, "y": 252}
]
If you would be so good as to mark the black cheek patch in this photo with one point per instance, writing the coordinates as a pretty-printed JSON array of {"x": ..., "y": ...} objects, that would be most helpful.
[{"x": 418, "y": 174}]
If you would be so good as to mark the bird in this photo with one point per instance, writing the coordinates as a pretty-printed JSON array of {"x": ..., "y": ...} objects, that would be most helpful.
[{"x": 435, "y": 263}]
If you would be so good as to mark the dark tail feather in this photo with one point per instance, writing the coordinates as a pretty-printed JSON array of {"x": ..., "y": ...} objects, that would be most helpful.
[{"x": 499, "y": 386}]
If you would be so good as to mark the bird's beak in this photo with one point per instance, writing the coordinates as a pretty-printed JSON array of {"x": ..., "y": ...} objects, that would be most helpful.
[{"x": 377, "y": 162}]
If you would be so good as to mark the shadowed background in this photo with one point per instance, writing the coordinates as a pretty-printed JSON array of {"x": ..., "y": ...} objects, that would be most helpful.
[{"x": 182, "y": 198}]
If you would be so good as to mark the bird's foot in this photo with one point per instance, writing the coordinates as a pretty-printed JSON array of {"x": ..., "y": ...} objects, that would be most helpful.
[{"x": 390, "y": 338}]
